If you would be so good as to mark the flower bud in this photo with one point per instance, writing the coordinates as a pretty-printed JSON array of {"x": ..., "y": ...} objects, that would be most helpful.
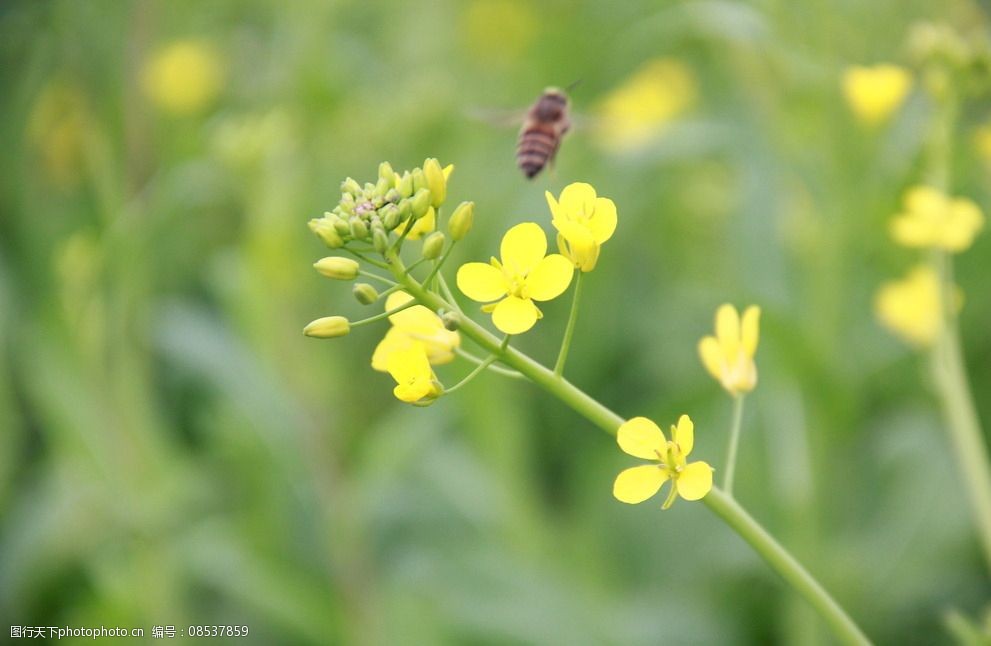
[
  {"x": 419, "y": 180},
  {"x": 382, "y": 187},
  {"x": 421, "y": 203},
  {"x": 461, "y": 220},
  {"x": 380, "y": 239},
  {"x": 340, "y": 225},
  {"x": 436, "y": 181},
  {"x": 392, "y": 195},
  {"x": 390, "y": 216},
  {"x": 326, "y": 232},
  {"x": 433, "y": 245},
  {"x": 328, "y": 327},
  {"x": 386, "y": 173},
  {"x": 337, "y": 268},
  {"x": 365, "y": 293},
  {"x": 405, "y": 210},
  {"x": 451, "y": 321},
  {"x": 359, "y": 230},
  {"x": 405, "y": 185},
  {"x": 351, "y": 186}
]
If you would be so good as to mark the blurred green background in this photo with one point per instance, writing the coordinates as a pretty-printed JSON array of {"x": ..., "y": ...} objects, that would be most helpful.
[{"x": 174, "y": 451}]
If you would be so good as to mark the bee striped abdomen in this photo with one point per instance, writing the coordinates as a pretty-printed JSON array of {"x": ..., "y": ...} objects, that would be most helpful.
[{"x": 535, "y": 148}]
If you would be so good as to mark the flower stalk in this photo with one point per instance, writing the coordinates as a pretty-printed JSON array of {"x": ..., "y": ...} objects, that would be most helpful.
[
  {"x": 569, "y": 330},
  {"x": 734, "y": 442}
]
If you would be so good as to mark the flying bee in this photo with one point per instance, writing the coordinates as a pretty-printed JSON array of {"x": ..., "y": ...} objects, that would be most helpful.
[{"x": 546, "y": 123}]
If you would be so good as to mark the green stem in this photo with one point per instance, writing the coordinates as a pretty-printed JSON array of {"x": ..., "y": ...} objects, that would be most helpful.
[
  {"x": 438, "y": 264},
  {"x": 464, "y": 354},
  {"x": 734, "y": 441},
  {"x": 368, "y": 274},
  {"x": 378, "y": 317},
  {"x": 569, "y": 331},
  {"x": 718, "y": 501},
  {"x": 471, "y": 375}
]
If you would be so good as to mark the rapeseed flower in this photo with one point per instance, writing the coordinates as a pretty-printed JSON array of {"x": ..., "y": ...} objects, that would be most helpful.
[
  {"x": 584, "y": 222},
  {"x": 184, "y": 77},
  {"x": 912, "y": 308},
  {"x": 933, "y": 220},
  {"x": 524, "y": 275},
  {"x": 729, "y": 355},
  {"x": 642, "y": 438},
  {"x": 415, "y": 380},
  {"x": 874, "y": 93},
  {"x": 415, "y": 326}
]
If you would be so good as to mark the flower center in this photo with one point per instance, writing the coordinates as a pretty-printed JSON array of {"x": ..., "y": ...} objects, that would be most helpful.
[{"x": 517, "y": 286}]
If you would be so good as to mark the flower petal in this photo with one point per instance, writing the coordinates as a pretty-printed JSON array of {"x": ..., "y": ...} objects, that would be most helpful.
[
  {"x": 684, "y": 434},
  {"x": 578, "y": 199},
  {"x": 694, "y": 481},
  {"x": 728, "y": 329},
  {"x": 393, "y": 341},
  {"x": 712, "y": 356},
  {"x": 550, "y": 277},
  {"x": 637, "y": 484},
  {"x": 522, "y": 247},
  {"x": 424, "y": 225},
  {"x": 556, "y": 211},
  {"x": 603, "y": 223},
  {"x": 481, "y": 281},
  {"x": 515, "y": 315},
  {"x": 750, "y": 330},
  {"x": 641, "y": 438}
]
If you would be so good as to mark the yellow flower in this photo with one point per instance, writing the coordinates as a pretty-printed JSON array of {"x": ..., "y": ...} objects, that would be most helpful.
[
  {"x": 183, "y": 78},
  {"x": 645, "y": 104},
  {"x": 584, "y": 221},
  {"x": 931, "y": 219},
  {"x": 415, "y": 326},
  {"x": 729, "y": 356},
  {"x": 911, "y": 307},
  {"x": 524, "y": 275},
  {"x": 428, "y": 222},
  {"x": 414, "y": 378},
  {"x": 642, "y": 438},
  {"x": 874, "y": 93}
]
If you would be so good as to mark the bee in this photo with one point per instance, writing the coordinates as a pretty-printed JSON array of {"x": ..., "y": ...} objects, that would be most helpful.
[{"x": 546, "y": 123}]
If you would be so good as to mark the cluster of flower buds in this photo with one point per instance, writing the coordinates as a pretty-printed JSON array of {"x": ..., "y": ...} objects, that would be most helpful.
[{"x": 393, "y": 203}]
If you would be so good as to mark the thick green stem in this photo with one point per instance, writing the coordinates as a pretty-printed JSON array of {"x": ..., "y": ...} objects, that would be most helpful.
[
  {"x": 569, "y": 330},
  {"x": 734, "y": 441},
  {"x": 718, "y": 501}
]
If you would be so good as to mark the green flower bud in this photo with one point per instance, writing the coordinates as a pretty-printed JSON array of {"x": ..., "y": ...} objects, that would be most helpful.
[
  {"x": 381, "y": 188},
  {"x": 365, "y": 293},
  {"x": 405, "y": 185},
  {"x": 405, "y": 210},
  {"x": 433, "y": 245},
  {"x": 324, "y": 228},
  {"x": 436, "y": 181},
  {"x": 390, "y": 216},
  {"x": 346, "y": 207},
  {"x": 451, "y": 321},
  {"x": 351, "y": 186},
  {"x": 380, "y": 240},
  {"x": 327, "y": 327},
  {"x": 392, "y": 196},
  {"x": 337, "y": 267},
  {"x": 359, "y": 230},
  {"x": 419, "y": 180},
  {"x": 340, "y": 225},
  {"x": 461, "y": 220},
  {"x": 421, "y": 203},
  {"x": 386, "y": 173}
]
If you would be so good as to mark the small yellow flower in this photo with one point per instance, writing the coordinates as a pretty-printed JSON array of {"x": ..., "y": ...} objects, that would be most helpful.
[
  {"x": 874, "y": 93},
  {"x": 584, "y": 222},
  {"x": 645, "y": 104},
  {"x": 911, "y": 307},
  {"x": 183, "y": 78},
  {"x": 415, "y": 326},
  {"x": 428, "y": 222},
  {"x": 729, "y": 356},
  {"x": 414, "y": 378},
  {"x": 642, "y": 438},
  {"x": 525, "y": 275},
  {"x": 933, "y": 220}
]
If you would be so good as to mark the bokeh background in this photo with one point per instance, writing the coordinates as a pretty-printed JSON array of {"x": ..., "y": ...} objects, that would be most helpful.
[{"x": 174, "y": 451}]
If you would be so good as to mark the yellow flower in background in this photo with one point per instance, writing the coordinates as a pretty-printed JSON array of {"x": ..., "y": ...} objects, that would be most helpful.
[
  {"x": 933, "y": 220},
  {"x": 874, "y": 93},
  {"x": 525, "y": 275},
  {"x": 729, "y": 355},
  {"x": 642, "y": 438},
  {"x": 584, "y": 222},
  {"x": 414, "y": 378},
  {"x": 415, "y": 326},
  {"x": 911, "y": 307},
  {"x": 428, "y": 222},
  {"x": 645, "y": 104},
  {"x": 183, "y": 78},
  {"x": 57, "y": 127}
]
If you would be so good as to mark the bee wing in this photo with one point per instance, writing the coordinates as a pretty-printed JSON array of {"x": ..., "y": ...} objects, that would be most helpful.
[{"x": 496, "y": 117}]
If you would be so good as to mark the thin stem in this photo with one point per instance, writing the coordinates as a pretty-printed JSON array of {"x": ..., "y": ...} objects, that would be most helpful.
[
  {"x": 447, "y": 293},
  {"x": 375, "y": 276},
  {"x": 734, "y": 441},
  {"x": 464, "y": 354},
  {"x": 718, "y": 501},
  {"x": 471, "y": 375},
  {"x": 439, "y": 264},
  {"x": 569, "y": 331},
  {"x": 378, "y": 317},
  {"x": 370, "y": 261}
]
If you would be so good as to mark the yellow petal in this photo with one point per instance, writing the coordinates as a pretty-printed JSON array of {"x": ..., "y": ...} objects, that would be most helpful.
[
  {"x": 392, "y": 341},
  {"x": 409, "y": 364},
  {"x": 750, "y": 330},
  {"x": 556, "y": 211},
  {"x": 481, "y": 282},
  {"x": 603, "y": 223},
  {"x": 728, "y": 329},
  {"x": 550, "y": 277},
  {"x": 515, "y": 315},
  {"x": 637, "y": 484},
  {"x": 424, "y": 225},
  {"x": 522, "y": 248},
  {"x": 641, "y": 438},
  {"x": 447, "y": 171},
  {"x": 413, "y": 392},
  {"x": 578, "y": 199},
  {"x": 712, "y": 356},
  {"x": 684, "y": 434},
  {"x": 694, "y": 481}
]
